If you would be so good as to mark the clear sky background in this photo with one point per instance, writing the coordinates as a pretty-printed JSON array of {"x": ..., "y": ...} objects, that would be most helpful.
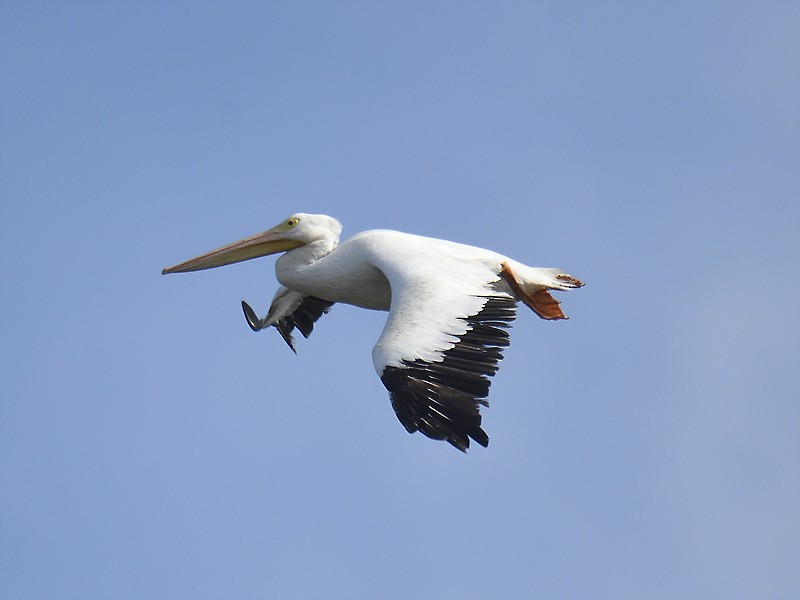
[{"x": 152, "y": 446}]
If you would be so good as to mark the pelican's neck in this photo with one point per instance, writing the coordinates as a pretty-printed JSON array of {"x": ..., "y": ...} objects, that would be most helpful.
[{"x": 294, "y": 263}]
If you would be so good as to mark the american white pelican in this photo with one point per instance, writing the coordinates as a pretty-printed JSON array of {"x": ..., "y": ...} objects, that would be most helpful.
[{"x": 449, "y": 306}]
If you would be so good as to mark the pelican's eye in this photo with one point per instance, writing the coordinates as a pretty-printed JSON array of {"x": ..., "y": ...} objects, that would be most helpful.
[{"x": 292, "y": 222}]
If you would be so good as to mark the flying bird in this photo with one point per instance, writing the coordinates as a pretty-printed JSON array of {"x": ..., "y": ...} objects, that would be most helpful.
[{"x": 449, "y": 309}]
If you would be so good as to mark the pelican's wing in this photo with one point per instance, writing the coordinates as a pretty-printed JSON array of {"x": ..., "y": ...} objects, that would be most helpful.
[
  {"x": 289, "y": 310},
  {"x": 444, "y": 336}
]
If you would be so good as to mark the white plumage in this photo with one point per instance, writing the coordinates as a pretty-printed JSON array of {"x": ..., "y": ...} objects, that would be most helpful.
[{"x": 449, "y": 306}]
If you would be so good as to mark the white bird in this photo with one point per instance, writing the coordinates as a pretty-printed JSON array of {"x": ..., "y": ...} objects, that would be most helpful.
[{"x": 449, "y": 306}]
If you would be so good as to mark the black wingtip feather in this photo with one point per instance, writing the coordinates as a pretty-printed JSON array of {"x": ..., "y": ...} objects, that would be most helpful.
[
  {"x": 251, "y": 317},
  {"x": 303, "y": 318},
  {"x": 442, "y": 399}
]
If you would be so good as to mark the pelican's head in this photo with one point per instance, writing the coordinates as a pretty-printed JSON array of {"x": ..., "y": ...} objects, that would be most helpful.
[{"x": 298, "y": 230}]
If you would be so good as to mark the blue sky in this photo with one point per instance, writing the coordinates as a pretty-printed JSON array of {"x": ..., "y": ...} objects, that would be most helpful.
[{"x": 152, "y": 446}]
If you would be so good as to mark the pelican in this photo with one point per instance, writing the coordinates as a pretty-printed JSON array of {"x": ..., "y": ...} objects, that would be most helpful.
[{"x": 449, "y": 309}]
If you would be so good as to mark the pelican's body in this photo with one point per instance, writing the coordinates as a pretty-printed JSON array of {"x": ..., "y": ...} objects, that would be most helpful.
[
  {"x": 449, "y": 306},
  {"x": 347, "y": 273}
]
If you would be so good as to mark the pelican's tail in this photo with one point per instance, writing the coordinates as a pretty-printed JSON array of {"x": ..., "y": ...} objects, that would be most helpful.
[{"x": 532, "y": 286}]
